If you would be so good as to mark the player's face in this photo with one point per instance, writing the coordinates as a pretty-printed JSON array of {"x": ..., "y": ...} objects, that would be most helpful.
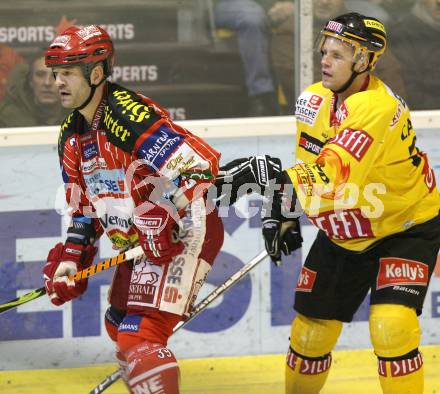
[
  {"x": 43, "y": 84},
  {"x": 72, "y": 86},
  {"x": 336, "y": 63}
]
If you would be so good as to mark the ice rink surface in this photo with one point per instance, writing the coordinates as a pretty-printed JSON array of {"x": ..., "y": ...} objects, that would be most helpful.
[{"x": 353, "y": 372}]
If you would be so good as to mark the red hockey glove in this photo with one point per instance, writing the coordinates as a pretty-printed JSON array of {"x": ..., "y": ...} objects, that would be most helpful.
[
  {"x": 157, "y": 232},
  {"x": 62, "y": 261}
]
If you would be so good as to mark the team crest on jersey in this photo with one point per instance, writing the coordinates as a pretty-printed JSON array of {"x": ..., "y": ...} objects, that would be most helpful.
[{"x": 307, "y": 107}]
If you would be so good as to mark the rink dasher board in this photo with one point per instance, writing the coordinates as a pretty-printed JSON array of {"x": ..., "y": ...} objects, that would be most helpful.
[
  {"x": 253, "y": 318},
  {"x": 206, "y": 128}
]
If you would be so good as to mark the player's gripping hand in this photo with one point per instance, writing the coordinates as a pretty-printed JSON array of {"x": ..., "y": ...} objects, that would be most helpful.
[
  {"x": 255, "y": 173},
  {"x": 62, "y": 261},
  {"x": 280, "y": 218},
  {"x": 291, "y": 238},
  {"x": 157, "y": 231},
  {"x": 281, "y": 235}
]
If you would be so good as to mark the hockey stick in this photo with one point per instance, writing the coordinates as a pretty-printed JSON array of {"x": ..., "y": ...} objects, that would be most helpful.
[
  {"x": 83, "y": 274},
  {"x": 240, "y": 274}
]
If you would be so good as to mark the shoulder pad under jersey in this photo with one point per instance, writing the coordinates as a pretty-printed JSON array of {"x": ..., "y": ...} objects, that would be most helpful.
[
  {"x": 126, "y": 116},
  {"x": 375, "y": 103}
]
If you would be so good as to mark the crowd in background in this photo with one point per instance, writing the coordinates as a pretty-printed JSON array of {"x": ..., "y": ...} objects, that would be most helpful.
[
  {"x": 264, "y": 32},
  {"x": 408, "y": 65}
]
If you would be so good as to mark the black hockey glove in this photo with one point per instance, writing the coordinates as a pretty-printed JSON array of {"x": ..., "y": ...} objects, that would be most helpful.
[
  {"x": 291, "y": 238},
  {"x": 281, "y": 228},
  {"x": 246, "y": 175},
  {"x": 271, "y": 221}
]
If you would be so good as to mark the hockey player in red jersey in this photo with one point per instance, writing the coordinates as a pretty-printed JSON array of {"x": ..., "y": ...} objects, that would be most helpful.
[
  {"x": 132, "y": 173},
  {"x": 362, "y": 181}
]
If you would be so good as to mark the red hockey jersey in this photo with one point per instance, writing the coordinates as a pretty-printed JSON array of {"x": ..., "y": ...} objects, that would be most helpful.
[{"x": 131, "y": 149}]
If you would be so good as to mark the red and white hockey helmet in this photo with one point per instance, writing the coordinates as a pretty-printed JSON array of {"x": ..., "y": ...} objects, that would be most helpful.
[{"x": 81, "y": 46}]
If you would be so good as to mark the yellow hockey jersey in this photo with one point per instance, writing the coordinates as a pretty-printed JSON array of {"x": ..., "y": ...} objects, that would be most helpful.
[{"x": 359, "y": 175}]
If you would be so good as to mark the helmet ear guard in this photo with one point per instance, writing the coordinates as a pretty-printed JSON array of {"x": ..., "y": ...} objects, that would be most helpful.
[{"x": 362, "y": 57}]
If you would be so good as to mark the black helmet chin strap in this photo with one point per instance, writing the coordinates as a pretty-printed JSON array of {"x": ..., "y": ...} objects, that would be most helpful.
[
  {"x": 92, "y": 93},
  {"x": 88, "y": 99},
  {"x": 87, "y": 70},
  {"x": 347, "y": 84},
  {"x": 350, "y": 80}
]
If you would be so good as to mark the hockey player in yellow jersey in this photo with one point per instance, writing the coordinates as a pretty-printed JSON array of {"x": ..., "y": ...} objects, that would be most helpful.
[{"x": 359, "y": 178}]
